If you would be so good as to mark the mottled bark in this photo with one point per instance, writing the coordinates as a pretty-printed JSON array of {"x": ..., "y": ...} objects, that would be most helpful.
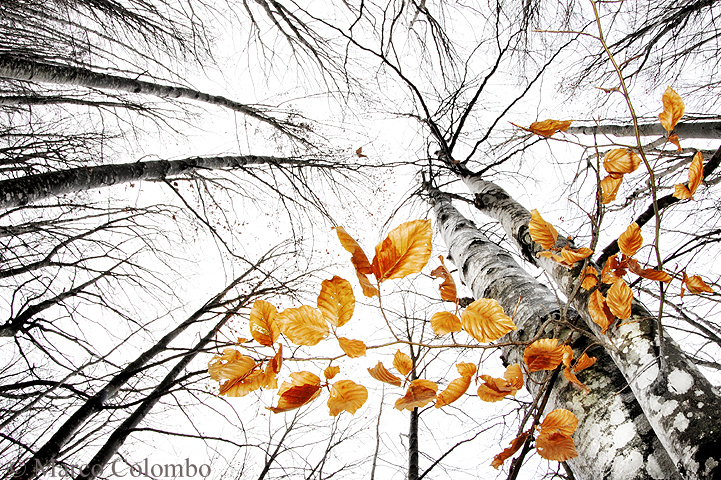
[
  {"x": 678, "y": 401},
  {"x": 697, "y": 129},
  {"x": 614, "y": 439},
  {"x": 31, "y": 188}
]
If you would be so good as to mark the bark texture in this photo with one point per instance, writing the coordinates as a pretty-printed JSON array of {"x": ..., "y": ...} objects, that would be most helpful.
[
  {"x": 699, "y": 129},
  {"x": 680, "y": 404},
  {"x": 614, "y": 439}
]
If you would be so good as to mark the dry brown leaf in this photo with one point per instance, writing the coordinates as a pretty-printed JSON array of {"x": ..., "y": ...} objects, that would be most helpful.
[
  {"x": 619, "y": 298},
  {"x": 403, "y": 363},
  {"x": 609, "y": 188},
  {"x": 695, "y": 284},
  {"x": 695, "y": 176},
  {"x": 359, "y": 153},
  {"x": 541, "y": 231},
  {"x": 346, "y": 395},
  {"x": 448, "y": 287},
  {"x": 453, "y": 391},
  {"x": 620, "y": 161},
  {"x": 589, "y": 278},
  {"x": 546, "y": 128},
  {"x": 406, "y": 250},
  {"x": 352, "y": 348},
  {"x": 445, "y": 322},
  {"x": 485, "y": 320},
  {"x": 419, "y": 394},
  {"x": 631, "y": 240},
  {"x": 303, "y": 325},
  {"x": 331, "y": 371},
  {"x": 556, "y": 446},
  {"x": 303, "y": 388},
  {"x": 673, "y": 109},
  {"x": 381, "y": 373},
  {"x": 600, "y": 313},
  {"x": 543, "y": 354},
  {"x": 516, "y": 444},
  {"x": 584, "y": 362},
  {"x": 263, "y": 325},
  {"x": 358, "y": 256},
  {"x": 368, "y": 289},
  {"x": 336, "y": 301}
]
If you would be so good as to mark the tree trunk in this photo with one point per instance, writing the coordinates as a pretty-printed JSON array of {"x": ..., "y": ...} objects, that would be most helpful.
[
  {"x": 696, "y": 129},
  {"x": 678, "y": 401},
  {"x": 613, "y": 439}
]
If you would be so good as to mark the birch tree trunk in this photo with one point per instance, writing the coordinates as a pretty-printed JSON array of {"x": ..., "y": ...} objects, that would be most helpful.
[
  {"x": 698, "y": 129},
  {"x": 613, "y": 439},
  {"x": 681, "y": 405}
]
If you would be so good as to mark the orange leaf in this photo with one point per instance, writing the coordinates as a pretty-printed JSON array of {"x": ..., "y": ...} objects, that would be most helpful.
[
  {"x": 516, "y": 444},
  {"x": 631, "y": 240},
  {"x": 263, "y": 325},
  {"x": 485, "y": 320},
  {"x": 336, "y": 301},
  {"x": 559, "y": 421},
  {"x": 556, "y": 447},
  {"x": 573, "y": 379},
  {"x": 420, "y": 392},
  {"x": 466, "y": 369},
  {"x": 695, "y": 284},
  {"x": 358, "y": 256},
  {"x": 619, "y": 298},
  {"x": 584, "y": 362},
  {"x": 251, "y": 383},
  {"x": 674, "y": 139},
  {"x": 448, "y": 287},
  {"x": 368, "y": 289},
  {"x": 620, "y": 161},
  {"x": 695, "y": 176},
  {"x": 590, "y": 278},
  {"x": 514, "y": 376},
  {"x": 302, "y": 389},
  {"x": 610, "y": 272},
  {"x": 600, "y": 313},
  {"x": 681, "y": 192},
  {"x": 272, "y": 368},
  {"x": 649, "y": 273},
  {"x": 346, "y": 395},
  {"x": 546, "y": 128},
  {"x": 673, "y": 109},
  {"x": 352, "y": 348},
  {"x": 494, "y": 389},
  {"x": 567, "y": 355},
  {"x": 609, "y": 188},
  {"x": 231, "y": 369},
  {"x": 453, "y": 391},
  {"x": 541, "y": 231},
  {"x": 330, "y": 372},
  {"x": 303, "y": 326},
  {"x": 571, "y": 256},
  {"x": 402, "y": 362},
  {"x": 445, "y": 322},
  {"x": 406, "y": 250},
  {"x": 543, "y": 354},
  {"x": 380, "y": 373}
]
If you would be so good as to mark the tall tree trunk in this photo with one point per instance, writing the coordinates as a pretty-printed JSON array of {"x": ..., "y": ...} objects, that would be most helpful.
[
  {"x": 613, "y": 438},
  {"x": 697, "y": 129},
  {"x": 678, "y": 401}
]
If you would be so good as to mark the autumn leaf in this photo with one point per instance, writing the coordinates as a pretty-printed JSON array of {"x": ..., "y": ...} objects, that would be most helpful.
[
  {"x": 571, "y": 377},
  {"x": 556, "y": 447},
  {"x": 466, "y": 369},
  {"x": 609, "y": 188},
  {"x": 359, "y": 153},
  {"x": 673, "y": 109},
  {"x": 402, "y": 362},
  {"x": 381, "y": 373},
  {"x": 649, "y": 273},
  {"x": 336, "y": 301},
  {"x": 485, "y": 320},
  {"x": 368, "y": 289},
  {"x": 448, "y": 287},
  {"x": 612, "y": 270},
  {"x": 455, "y": 390},
  {"x": 406, "y": 250},
  {"x": 352, "y": 348},
  {"x": 445, "y": 322},
  {"x": 695, "y": 176},
  {"x": 507, "y": 453},
  {"x": 559, "y": 421},
  {"x": 346, "y": 395},
  {"x": 331, "y": 371},
  {"x": 230, "y": 366},
  {"x": 541, "y": 231},
  {"x": 419, "y": 394},
  {"x": 619, "y": 298},
  {"x": 303, "y": 388},
  {"x": 674, "y": 139},
  {"x": 241, "y": 388},
  {"x": 263, "y": 325},
  {"x": 272, "y": 368},
  {"x": 589, "y": 278},
  {"x": 358, "y": 256},
  {"x": 546, "y": 128},
  {"x": 567, "y": 355},
  {"x": 600, "y": 313},
  {"x": 571, "y": 256},
  {"x": 631, "y": 240},
  {"x": 584, "y": 362},
  {"x": 303, "y": 326},
  {"x": 695, "y": 284},
  {"x": 495, "y": 389},
  {"x": 543, "y": 354},
  {"x": 620, "y": 161}
]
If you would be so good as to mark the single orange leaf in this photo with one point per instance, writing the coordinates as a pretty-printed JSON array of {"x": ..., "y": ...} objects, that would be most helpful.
[
  {"x": 559, "y": 421},
  {"x": 272, "y": 368},
  {"x": 619, "y": 298},
  {"x": 546, "y": 128},
  {"x": 556, "y": 446},
  {"x": 681, "y": 192},
  {"x": 445, "y": 322},
  {"x": 331, "y": 371},
  {"x": 406, "y": 250},
  {"x": 612, "y": 270},
  {"x": 455, "y": 390},
  {"x": 600, "y": 313},
  {"x": 609, "y": 188},
  {"x": 303, "y": 388},
  {"x": 695, "y": 176},
  {"x": 631, "y": 240},
  {"x": 303, "y": 325},
  {"x": 674, "y": 139},
  {"x": 485, "y": 320},
  {"x": 649, "y": 273},
  {"x": 381, "y": 373},
  {"x": 589, "y": 278},
  {"x": 620, "y": 161},
  {"x": 419, "y": 394},
  {"x": 567, "y": 355},
  {"x": 574, "y": 380},
  {"x": 466, "y": 369},
  {"x": 402, "y": 362},
  {"x": 584, "y": 362},
  {"x": 673, "y": 109},
  {"x": 494, "y": 389},
  {"x": 543, "y": 354},
  {"x": 346, "y": 395},
  {"x": 263, "y": 325},
  {"x": 514, "y": 376},
  {"x": 368, "y": 289},
  {"x": 695, "y": 284},
  {"x": 352, "y": 348},
  {"x": 336, "y": 301},
  {"x": 358, "y": 256},
  {"x": 240, "y": 388},
  {"x": 571, "y": 256},
  {"x": 541, "y": 231},
  {"x": 231, "y": 365},
  {"x": 516, "y": 444},
  {"x": 448, "y": 287}
]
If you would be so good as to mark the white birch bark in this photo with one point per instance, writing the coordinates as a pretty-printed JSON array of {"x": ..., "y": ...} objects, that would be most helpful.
[
  {"x": 614, "y": 440},
  {"x": 680, "y": 404},
  {"x": 698, "y": 129}
]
